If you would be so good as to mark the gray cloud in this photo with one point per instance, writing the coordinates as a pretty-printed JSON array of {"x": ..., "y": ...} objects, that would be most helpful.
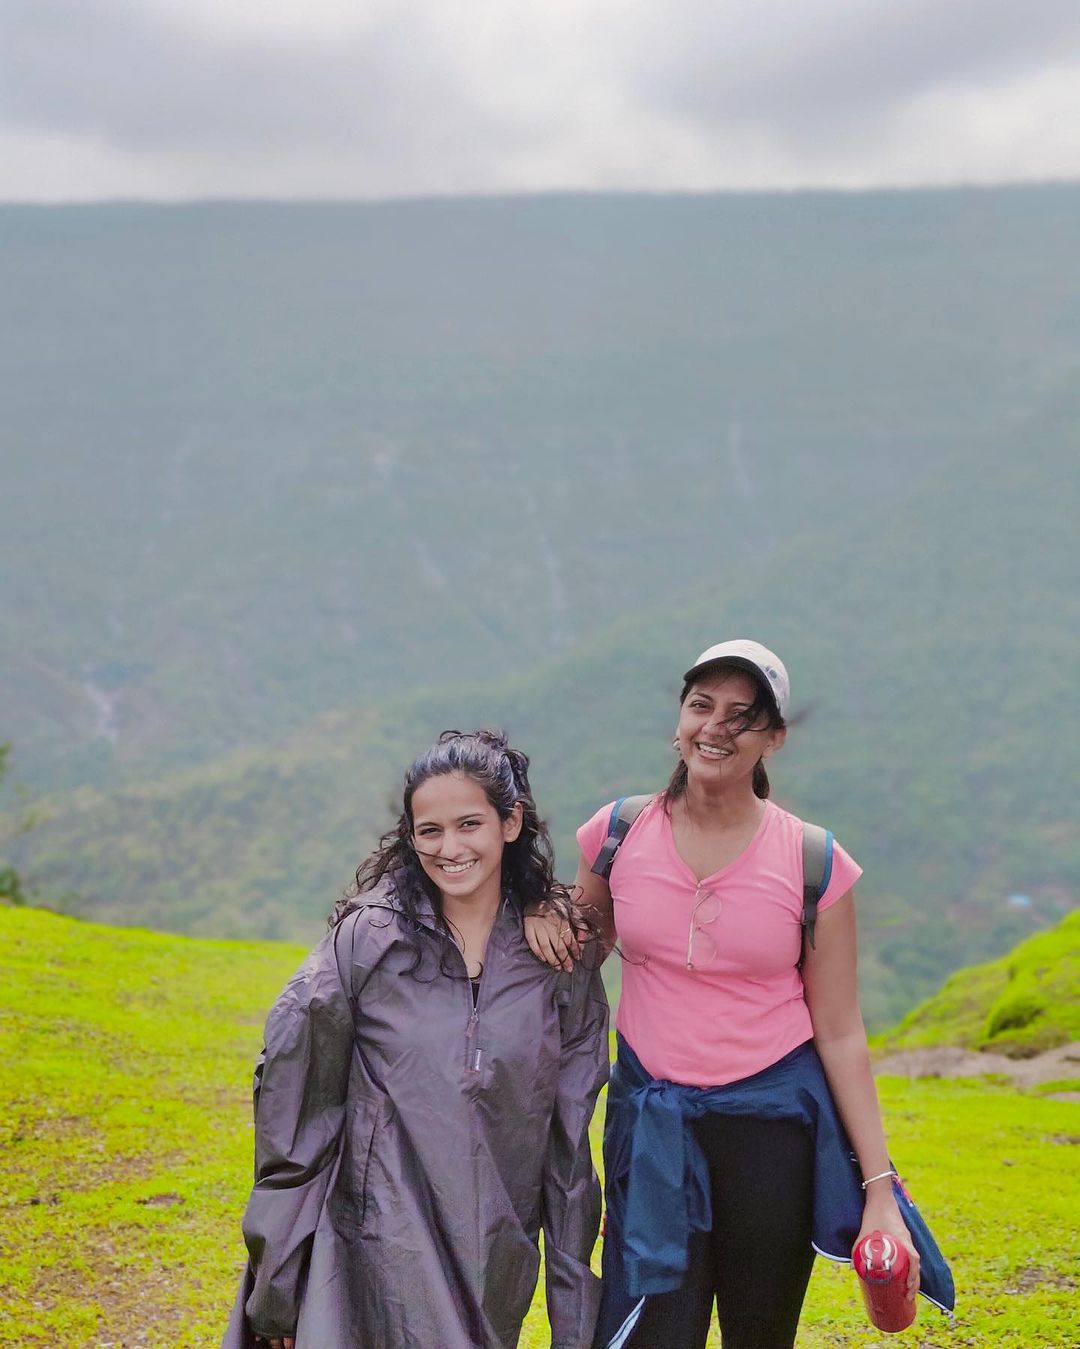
[
  {"x": 425, "y": 96},
  {"x": 813, "y": 68},
  {"x": 125, "y": 74}
]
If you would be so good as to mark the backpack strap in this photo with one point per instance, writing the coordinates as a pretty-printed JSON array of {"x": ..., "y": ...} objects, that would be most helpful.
[
  {"x": 817, "y": 852},
  {"x": 623, "y": 814}
]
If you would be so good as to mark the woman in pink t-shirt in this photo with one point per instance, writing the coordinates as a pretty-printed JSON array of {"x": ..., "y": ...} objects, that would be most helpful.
[{"x": 705, "y": 897}]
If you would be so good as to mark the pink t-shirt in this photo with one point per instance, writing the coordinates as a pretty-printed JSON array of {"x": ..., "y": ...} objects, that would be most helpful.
[{"x": 741, "y": 1007}]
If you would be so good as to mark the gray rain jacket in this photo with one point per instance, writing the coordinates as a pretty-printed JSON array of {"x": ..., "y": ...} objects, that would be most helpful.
[{"x": 409, "y": 1148}]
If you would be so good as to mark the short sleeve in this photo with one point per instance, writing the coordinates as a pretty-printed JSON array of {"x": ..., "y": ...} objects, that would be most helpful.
[
  {"x": 845, "y": 872},
  {"x": 592, "y": 833}
]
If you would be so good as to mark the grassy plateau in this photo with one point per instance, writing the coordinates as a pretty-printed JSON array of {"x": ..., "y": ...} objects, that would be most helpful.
[{"x": 126, "y": 1146}]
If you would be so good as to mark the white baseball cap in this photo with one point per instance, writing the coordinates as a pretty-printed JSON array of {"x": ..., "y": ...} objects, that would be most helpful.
[{"x": 752, "y": 656}]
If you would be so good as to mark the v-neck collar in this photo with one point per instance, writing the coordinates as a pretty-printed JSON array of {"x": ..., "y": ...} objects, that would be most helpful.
[{"x": 687, "y": 870}]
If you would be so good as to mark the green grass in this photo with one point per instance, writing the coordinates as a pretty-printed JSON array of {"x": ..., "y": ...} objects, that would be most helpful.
[
  {"x": 126, "y": 1146},
  {"x": 1020, "y": 1005},
  {"x": 125, "y": 1070}
]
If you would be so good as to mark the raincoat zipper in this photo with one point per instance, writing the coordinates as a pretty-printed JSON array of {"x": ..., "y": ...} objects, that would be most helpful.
[{"x": 473, "y": 1052}]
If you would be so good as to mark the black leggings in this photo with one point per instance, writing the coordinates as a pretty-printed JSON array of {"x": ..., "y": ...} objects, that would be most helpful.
[{"x": 756, "y": 1261}]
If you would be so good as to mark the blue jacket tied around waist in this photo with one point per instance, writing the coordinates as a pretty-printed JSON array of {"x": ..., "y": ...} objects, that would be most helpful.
[{"x": 658, "y": 1182}]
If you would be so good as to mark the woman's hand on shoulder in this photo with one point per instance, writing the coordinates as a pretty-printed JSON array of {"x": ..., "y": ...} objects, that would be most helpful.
[
  {"x": 287, "y": 1343},
  {"x": 554, "y": 940}
]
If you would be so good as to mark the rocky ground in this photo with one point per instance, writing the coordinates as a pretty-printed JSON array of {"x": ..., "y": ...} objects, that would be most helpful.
[{"x": 1055, "y": 1065}]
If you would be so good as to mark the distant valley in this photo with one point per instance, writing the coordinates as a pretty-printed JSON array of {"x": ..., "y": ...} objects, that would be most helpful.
[{"x": 291, "y": 488}]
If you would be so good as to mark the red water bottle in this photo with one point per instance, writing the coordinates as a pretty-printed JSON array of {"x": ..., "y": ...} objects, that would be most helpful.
[{"x": 882, "y": 1266}]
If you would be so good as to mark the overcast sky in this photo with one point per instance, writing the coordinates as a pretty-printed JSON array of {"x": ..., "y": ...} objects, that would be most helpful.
[{"x": 373, "y": 98}]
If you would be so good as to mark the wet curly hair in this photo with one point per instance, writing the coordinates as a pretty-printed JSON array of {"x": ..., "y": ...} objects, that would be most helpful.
[{"x": 528, "y": 868}]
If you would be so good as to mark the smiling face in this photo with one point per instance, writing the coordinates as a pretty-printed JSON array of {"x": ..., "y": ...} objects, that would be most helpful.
[
  {"x": 719, "y": 737},
  {"x": 459, "y": 838}
]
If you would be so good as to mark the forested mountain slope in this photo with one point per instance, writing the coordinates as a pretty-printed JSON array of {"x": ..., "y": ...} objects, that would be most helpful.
[
  {"x": 262, "y": 461},
  {"x": 933, "y": 650}
]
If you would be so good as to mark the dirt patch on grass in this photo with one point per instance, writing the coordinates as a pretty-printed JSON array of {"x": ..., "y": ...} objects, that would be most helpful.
[
  {"x": 134, "y": 1307},
  {"x": 1034, "y": 1276},
  {"x": 951, "y": 1061}
]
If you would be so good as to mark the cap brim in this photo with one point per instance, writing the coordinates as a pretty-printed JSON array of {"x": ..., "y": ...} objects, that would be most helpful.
[{"x": 740, "y": 663}]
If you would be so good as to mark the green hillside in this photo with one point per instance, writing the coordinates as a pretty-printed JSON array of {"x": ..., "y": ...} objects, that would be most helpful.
[
  {"x": 125, "y": 1156},
  {"x": 932, "y": 652},
  {"x": 1024, "y": 1003},
  {"x": 264, "y": 461}
]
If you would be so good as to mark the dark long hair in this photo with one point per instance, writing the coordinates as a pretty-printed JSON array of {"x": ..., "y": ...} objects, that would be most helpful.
[
  {"x": 761, "y": 715},
  {"x": 528, "y": 868}
]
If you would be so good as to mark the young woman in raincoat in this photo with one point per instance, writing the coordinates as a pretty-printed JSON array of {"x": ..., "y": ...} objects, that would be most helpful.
[
  {"x": 423, "y": 1100},
  {"x": 743, "y": 1130}
]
